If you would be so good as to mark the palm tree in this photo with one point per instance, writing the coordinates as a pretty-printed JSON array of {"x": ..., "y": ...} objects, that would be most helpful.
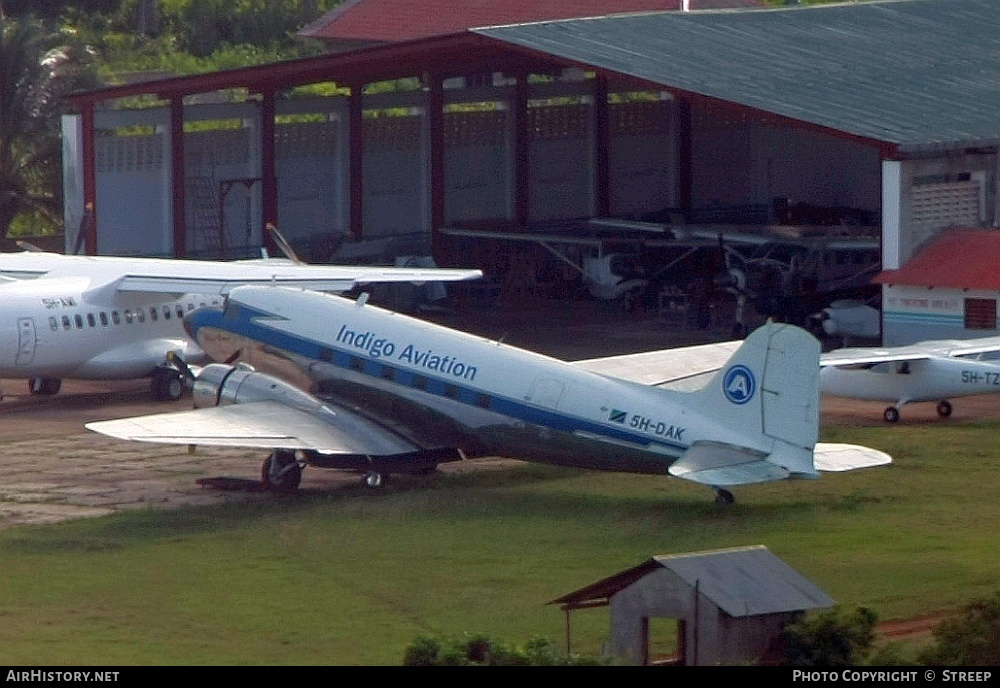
[{"x": 37, "y": 66}]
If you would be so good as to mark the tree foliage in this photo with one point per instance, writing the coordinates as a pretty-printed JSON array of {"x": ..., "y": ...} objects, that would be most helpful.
[
  {"x": 37, "y": 66},
  {"x": 832, "y": 638},
  {"x": 971, "y": 639},
  {"x": 479, "y": 650}
]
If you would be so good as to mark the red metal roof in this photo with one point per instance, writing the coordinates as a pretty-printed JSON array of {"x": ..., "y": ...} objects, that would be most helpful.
[
  {"x": 957, "y": 258},
  {"x": 400, "y": 20}
]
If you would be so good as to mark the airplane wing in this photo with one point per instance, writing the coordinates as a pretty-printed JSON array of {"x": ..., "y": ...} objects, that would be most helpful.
[
  {"x": 183, "y": 276},
  {"x": 945, "y": 348},
  {"x": 265, "y": 425},
  {"x": 859, "y": 356},
  {"x": 681, "y": 368},
  {"x": 220, "y": 277}
]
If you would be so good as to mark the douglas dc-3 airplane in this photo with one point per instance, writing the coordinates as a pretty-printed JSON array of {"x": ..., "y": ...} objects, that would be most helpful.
[
  {"x": 103, "y": 318},
  {"x": 926, "y": 371},
  {"x": 397, "y": 394}
]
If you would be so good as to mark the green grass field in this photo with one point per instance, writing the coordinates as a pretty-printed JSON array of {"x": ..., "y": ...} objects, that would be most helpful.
[{"x": 352, "y": 577}]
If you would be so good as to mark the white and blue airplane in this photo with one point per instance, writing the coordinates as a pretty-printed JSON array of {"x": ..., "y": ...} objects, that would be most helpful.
[
  {"x": 396, "y": 394},
  {"x": 118, "y": 318},
  {"x": 934, "y": 370}
]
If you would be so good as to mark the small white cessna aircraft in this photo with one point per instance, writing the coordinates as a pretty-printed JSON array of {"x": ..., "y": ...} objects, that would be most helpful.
[
  {"x": 103, "y": 317},
  {"x": 397, "y": 394},
  {"x": 926, "y": 371}
]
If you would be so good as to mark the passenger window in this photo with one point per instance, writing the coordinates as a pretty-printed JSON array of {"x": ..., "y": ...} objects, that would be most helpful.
[
  {"x": 180, "y": 311},
  {"x": 115, "y": 318},
  {"x": 78, "y": 319},
  {"x": 166, "y": 312},
  {"x": 153, "y": 314},
  {"x": 53, "y": 324},
  {"x": 90, "y": 320},
  {"x": 128, "y": 317},
  {"x": 140, "y": 315},
  {"x": 65, "y": 322},
  {"x": 104, "y": 319}
]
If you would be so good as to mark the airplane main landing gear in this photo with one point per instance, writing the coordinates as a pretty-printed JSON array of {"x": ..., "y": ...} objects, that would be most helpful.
[
  {"x": 44, "y": 386},
  {"x": 167, "y": 384},
  {"x": 944, "y": 408},
  {"x": 281, "y": 472},
  {"x": 723, "y": 498}
]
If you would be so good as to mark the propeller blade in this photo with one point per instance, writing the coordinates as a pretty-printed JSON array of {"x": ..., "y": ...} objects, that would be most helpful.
[
  {"x": 283, "y": 244},
  {"x": 179, "y": 363}
]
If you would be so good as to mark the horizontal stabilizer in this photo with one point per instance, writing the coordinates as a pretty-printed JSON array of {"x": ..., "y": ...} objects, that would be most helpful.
[
  {"x": 723, "y": 465},
  {"x": 847, "y": 457}
]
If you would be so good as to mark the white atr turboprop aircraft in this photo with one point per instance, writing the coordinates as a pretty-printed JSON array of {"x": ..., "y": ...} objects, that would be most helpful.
[
  {"x": 396, "y": 394},
  {"x": 926, "y": 371},
  {"x": 108, "y": 318}
]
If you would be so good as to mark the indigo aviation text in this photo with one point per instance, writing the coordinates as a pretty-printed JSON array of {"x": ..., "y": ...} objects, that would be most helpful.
[{"x": 428, "y": 359}]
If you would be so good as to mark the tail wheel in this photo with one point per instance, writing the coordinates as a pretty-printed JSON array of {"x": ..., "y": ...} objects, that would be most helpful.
[
  {"x": 723, "y": 498},
  {"x": 944, "y": 408},
  {"x": 374, "y": 480},
  {"x": 280, "y": 472},
  {"x": 891, "y": 414}
]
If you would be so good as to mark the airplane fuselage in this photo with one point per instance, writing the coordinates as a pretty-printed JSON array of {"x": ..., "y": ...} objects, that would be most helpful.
[
  {"x": 497, "y": 399},
  {"x": 922, "y": 380},
  {"x": 67, "y": 328}
]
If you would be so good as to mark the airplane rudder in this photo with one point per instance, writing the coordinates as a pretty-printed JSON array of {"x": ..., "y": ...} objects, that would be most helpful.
[{"x": 773, "y": 356}]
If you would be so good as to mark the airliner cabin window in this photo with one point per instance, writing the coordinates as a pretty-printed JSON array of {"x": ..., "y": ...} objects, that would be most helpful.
[
  {"x": 78, "y": 320},
  {"x": 90, "y": 320},
  {"x": 53, "y": 324},
  {"x": 104, "y": 319},
  {"x": 115, "y": 318}
]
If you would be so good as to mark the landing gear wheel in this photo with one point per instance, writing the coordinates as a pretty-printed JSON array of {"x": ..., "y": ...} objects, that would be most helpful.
[
  {"x": 944, "y": 408},
  {"x": 44, "y": 386},
  {"x": 167, "y": 385},
  {"x": 723, "y": 498},
  {"x": 280, "y": 472},
  {"x": 374, "y": 480},
  {"x": 891, "y": 414}
]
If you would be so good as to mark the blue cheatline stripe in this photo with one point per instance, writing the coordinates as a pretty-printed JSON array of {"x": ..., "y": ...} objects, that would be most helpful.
[
  {"x": 242, "y": 321},
  {"x": 924, "y": 319}
]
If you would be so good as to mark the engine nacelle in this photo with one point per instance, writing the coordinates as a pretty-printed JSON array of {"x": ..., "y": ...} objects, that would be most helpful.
[{"x": 219, "y": 384}]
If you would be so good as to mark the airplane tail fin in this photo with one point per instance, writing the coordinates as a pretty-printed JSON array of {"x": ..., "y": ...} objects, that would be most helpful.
[{"x": 768, "y": 392}]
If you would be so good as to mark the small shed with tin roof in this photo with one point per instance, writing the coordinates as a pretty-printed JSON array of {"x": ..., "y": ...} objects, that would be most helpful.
[{"x": 731, "y": 605}]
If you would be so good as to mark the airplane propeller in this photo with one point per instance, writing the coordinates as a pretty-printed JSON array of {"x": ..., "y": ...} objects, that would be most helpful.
[
  {"x": 181, "y": 366},
  {"x": 283, "y": 244}
]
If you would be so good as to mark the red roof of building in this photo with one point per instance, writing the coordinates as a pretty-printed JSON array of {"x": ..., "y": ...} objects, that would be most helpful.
[
  {"x": 400, "y": 20},
  {"x": 957, "y": 258}
]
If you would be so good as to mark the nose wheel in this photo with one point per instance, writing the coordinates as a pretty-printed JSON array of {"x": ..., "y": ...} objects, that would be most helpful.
[
  {"x": 944, "y": 408},
  {"x": 891, "y": 415}
]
